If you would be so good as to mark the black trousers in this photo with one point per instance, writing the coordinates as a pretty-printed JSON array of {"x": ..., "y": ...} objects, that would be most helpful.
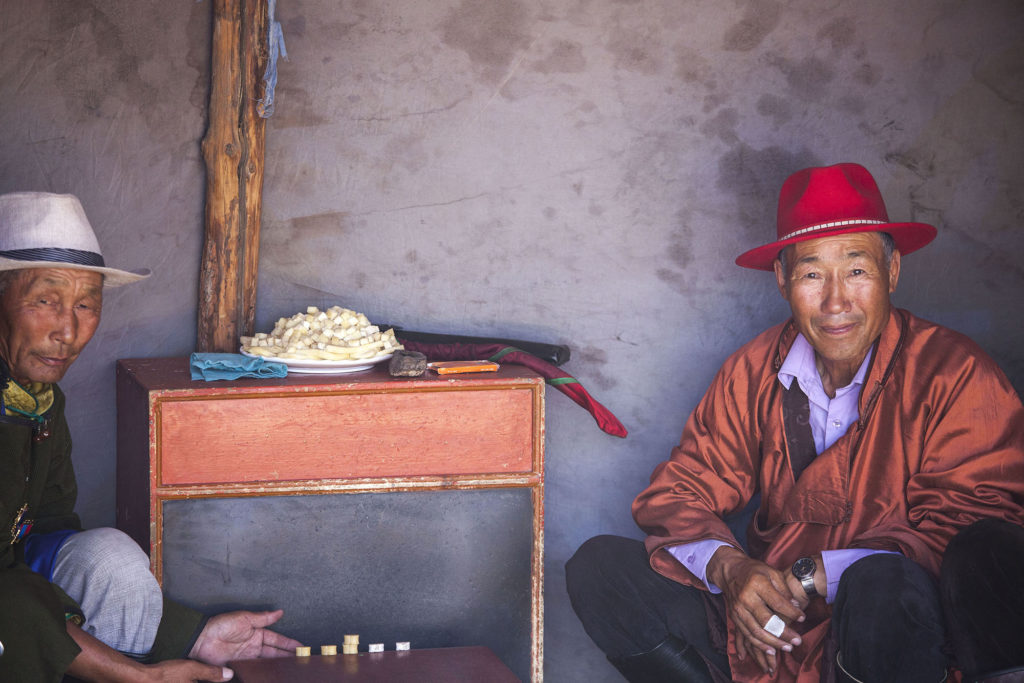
[{"x": 887, "y": 615}]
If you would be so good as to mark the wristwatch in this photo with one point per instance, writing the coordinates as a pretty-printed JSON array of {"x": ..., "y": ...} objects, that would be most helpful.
[{"x": 803, "y": 570}]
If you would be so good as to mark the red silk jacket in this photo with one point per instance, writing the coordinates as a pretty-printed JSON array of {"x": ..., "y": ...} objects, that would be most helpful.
[{"x": 939, "y": 444}]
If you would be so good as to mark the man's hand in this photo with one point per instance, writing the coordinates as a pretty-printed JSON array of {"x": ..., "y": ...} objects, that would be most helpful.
[
  {"x": 97, "y": 662},
  {"x": 241, "y": 635},
  {"x": 754, "y": 592}
]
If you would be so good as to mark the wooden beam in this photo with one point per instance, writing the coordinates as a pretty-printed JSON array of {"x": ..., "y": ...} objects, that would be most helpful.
[{"x": 233, "y": 152}]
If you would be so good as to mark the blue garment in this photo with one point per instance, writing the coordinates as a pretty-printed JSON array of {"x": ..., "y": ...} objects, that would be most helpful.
[
  {"x": 41, "y": 550},
  {"x": 211, "y": 366}
]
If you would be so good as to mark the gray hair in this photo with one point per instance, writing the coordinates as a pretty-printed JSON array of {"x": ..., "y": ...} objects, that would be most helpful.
[
  {"x": 888, "y": 247},
  {"x": 5, "y": 279}
]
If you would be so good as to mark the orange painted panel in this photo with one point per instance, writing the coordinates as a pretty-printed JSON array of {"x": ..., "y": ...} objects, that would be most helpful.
[{"x": 316, "y": 436}]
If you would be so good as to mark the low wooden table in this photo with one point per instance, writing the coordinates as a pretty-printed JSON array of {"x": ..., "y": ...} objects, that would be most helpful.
[
  {"x": 442, "y": 665},
  {"x": 400, "y": 508}
]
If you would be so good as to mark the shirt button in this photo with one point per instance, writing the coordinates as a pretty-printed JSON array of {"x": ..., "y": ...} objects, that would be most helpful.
[{"x": 836, "y": 423}]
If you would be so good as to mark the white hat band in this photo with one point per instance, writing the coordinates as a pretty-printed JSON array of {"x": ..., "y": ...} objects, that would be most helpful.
[{"x": 833, "y": 224}]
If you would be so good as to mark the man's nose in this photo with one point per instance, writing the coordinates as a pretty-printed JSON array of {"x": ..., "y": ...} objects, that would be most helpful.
[
  {"x": 65, "y": 328},
  {"x": 835, "y": 298}
]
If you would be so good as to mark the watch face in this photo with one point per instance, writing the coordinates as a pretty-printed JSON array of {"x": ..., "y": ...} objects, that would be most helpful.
[{"x": 803, "y": 567}]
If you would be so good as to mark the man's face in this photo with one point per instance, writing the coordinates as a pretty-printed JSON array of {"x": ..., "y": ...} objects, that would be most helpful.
[
  {"x": 838, "y": 289},
  {"x": 47, "y": 316}
]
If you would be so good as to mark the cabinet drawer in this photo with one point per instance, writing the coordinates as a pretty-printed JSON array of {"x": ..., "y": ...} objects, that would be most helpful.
[{"x": 227, "y": 438}]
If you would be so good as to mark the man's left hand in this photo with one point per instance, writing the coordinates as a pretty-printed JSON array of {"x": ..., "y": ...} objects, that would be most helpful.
[{"x": 241, "y": 635}]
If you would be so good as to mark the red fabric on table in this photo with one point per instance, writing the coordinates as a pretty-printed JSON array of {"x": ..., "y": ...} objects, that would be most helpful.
[{"x": 559, "y": 379}]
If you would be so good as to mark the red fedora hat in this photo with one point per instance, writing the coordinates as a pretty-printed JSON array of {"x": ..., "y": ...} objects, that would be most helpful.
[{"x": 833, "y": 200}]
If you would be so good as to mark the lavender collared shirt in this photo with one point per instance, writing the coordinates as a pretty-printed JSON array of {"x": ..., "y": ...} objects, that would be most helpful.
[{"x": 830, "y": 418}]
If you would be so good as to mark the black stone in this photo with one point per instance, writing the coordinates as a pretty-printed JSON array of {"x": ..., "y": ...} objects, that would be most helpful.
[{"x": 407, "y": 364}]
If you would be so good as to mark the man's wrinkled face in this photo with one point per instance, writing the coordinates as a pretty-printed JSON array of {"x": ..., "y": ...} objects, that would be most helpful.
[
  {"x": 47, "y": 316},
  {"x": 838, "y": 289}
]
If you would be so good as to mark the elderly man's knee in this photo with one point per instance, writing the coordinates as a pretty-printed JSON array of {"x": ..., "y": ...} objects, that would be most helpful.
[
  {"x": 104, "y": 558},
  {"x": 890, "y": 591},
  {"x": 101, "y": 547},
  {"x": 600, "y": 564},
  {"x": 982, "y": 588}
]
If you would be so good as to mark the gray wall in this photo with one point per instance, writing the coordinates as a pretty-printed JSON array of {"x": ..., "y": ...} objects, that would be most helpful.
[{"x": 580, "y": 172}]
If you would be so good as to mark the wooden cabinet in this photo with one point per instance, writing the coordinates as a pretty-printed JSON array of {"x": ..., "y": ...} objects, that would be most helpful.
[{"x": 436, "y": 458}]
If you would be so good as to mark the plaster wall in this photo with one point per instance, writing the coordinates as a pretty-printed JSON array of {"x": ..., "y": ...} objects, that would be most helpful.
[{"x": 578, "y": 172}]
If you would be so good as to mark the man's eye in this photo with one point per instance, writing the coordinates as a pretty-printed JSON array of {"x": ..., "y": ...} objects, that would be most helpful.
[{"x": 858, "y": 271}]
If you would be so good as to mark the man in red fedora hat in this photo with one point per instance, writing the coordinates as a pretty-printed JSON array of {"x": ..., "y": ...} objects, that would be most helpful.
[
  {"x": 78, "y": 602},
  {"x": 860, "y": 441}
]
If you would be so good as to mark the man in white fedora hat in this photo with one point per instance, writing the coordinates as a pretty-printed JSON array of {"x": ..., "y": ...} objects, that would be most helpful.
[
  {"x": 876, "y": 451},
  {"x": 82, "y": 603}
]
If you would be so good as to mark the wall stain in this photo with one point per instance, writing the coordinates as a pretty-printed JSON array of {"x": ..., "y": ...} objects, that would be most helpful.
[
  {"x": 565, "y": 56},
  {"x": 778, "y": 109},
  {"x": 868, "y": 74},
  {"x": 1003, "y": 74},
  {"x": 713, "y": 100},
  {"x": 595, "y": 358},
  {"x": 723, "y": 126},
  {"x": 295, "y": 107},
  {"x": 752, "y": 177},
  {"x": 491, "y": 34},
  {"x": 680, "y": 250},
  {"x": 760, "y": 19},
  {"x": 97, "y": 84},
  {"x": 407, "y": 151},
  {"x": 198, "y": 56},
  {"x": 919, "y": 163},
  {"x": 635, "y": 51},
  {"x": 673, "y": 278},
  {"x": 692, "y": 66},
  {"x": 808, "y": 78},
  {"x": 307, "y": 227},
  {"x": 840, "y": 32},
  {"x": 852, "y": 104}
]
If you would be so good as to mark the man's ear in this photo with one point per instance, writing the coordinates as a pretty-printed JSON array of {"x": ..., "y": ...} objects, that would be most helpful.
[
  {"x": 894, "y": 270},
  {"x": 780, "y": 278}
]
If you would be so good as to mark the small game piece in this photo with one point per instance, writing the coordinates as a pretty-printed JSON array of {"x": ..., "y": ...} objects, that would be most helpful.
[
  {"x": 302, "y": 651},
  {"x": 402, "y": 645},
  {"x": 351, "y": 645},
  {"x": 376, "y": 647},
  {"x": 328, "y": 649}
]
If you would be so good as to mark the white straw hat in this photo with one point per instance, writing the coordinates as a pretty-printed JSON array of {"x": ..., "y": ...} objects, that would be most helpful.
[{"x": 44, "y": 230}]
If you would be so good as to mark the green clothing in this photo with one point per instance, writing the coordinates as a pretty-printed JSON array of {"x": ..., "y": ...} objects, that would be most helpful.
[{"x": 39, "y": 473}]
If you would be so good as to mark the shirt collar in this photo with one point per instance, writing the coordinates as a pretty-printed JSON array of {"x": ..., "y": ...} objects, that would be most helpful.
[{"x": 800, "y": 364}]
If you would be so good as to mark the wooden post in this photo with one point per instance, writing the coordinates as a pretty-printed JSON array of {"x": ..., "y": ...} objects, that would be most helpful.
[{"x": 233, "y": 152}]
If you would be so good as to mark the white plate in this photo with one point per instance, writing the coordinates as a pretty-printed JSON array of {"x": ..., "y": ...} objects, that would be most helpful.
[{"x": 323, "y": 367}]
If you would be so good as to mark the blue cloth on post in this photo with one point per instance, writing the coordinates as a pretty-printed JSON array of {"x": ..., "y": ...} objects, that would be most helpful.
[{"x": 212, "y": 366}]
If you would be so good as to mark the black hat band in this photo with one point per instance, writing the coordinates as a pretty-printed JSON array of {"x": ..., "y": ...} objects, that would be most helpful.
[{"x": 56, "y": 254}]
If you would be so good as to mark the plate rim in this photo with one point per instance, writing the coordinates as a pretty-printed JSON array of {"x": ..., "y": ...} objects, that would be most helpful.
[{"x": 316, "y": 363}]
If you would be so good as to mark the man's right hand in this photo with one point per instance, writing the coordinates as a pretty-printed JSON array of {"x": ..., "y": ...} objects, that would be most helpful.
[{"x": 754, "y": 592}]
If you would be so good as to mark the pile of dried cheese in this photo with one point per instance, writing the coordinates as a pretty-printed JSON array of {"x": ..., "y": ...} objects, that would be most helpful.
[{"x": 335, "y": 334}]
